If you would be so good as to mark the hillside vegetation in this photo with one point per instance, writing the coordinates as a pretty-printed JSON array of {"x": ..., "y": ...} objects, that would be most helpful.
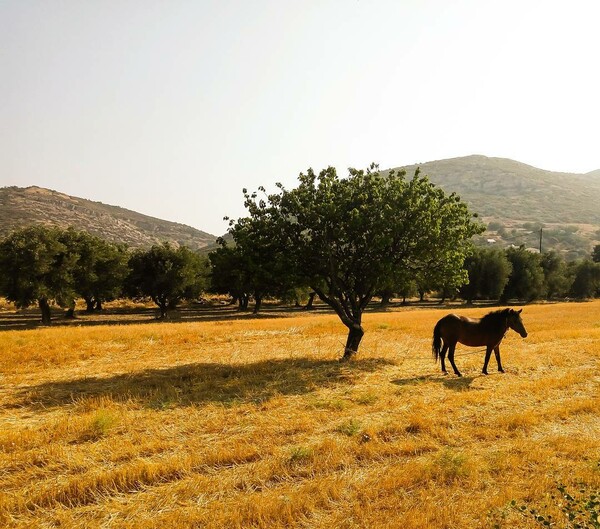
[
  {"x": 20, "y": 207},
  {"x": 252, "y": 423},
  {"x": 512, "y": 198},
  {"x": 517, "y": 199}
]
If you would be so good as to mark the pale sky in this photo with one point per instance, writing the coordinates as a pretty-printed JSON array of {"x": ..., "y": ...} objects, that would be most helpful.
[{"x": 171, "y": 107}]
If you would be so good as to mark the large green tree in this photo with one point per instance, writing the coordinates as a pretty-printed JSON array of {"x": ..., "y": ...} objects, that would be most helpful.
[
  {"x": 488, "y": 270},
  {"x": 557, "y": 277},
  {"x": 262, "y": 265},
  {"x": 167, "y": 275},
  {"x": 347, "y": 237},
  {"x": 586, "y": 279},
  {"x": 526, "y": 280},
  {"x": 36, "y": 266},
  {"x": 228, "y": 275},
  {"x": 100, "y": 270}
]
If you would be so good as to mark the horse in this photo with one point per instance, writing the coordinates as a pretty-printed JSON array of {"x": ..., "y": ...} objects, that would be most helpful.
[{"x": 475, "y": 332}]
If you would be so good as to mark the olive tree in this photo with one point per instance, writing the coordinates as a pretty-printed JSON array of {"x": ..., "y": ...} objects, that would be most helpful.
[
  {"x": 166, "y": 275},
  {"x": 347, "y": 238},
  {"x": 100, "y": 270},
  {"x": 36, "y": 266},
  {"x": 489, "y": 270}
]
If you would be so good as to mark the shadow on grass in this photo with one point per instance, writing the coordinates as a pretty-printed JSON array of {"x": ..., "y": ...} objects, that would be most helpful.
[
  {"x": 30, "y": 318},
  {"x": 202, "y": 383},
  {"x": 448, "y": 381}
]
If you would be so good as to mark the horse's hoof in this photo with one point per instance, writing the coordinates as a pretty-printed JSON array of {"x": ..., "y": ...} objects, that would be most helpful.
[
  {"x": 485, "y": 372},
  {"x": 458, "y": 375}
]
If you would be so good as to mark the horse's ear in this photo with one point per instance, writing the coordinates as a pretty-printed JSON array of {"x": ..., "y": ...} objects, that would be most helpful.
[{"x": 519, "y": 311}]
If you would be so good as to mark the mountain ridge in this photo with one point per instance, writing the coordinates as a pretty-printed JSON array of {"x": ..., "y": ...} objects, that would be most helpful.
[
  {"x": 25, "y": 206},
  {"x": 515, "y": 200}
]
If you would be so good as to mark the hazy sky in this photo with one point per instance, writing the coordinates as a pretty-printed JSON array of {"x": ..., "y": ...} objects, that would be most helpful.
[{"x": 171, "y": 107}]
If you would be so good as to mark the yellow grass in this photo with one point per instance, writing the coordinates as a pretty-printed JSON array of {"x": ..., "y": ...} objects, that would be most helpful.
[{"x": 253, "y": 423}]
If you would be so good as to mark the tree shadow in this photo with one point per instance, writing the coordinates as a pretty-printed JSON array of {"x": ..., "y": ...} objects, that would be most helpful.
[
  {"x": 448, "y": 381},
  {"x": 200, "y": 383},
  {"x": 193, "y": 312},
  {"x": 30, "y": 318}
]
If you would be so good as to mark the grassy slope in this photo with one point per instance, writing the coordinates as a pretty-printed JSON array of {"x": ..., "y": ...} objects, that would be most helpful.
[
  {"x": 521, "y": 198},
  {"x": 504, "y": 189},
  {"x": 253, "y": 423},
  {"x": 21, "y": 207}
]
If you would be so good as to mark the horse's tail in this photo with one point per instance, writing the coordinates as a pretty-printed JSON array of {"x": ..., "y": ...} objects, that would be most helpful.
[{"x": 436, "y": 346}]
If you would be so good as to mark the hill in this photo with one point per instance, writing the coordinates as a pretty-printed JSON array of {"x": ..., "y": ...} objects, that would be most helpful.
[
  {"x": 513, "y": 199},
  {"x": 516, "y": 200},
  {"x": 21, "y": 207}
]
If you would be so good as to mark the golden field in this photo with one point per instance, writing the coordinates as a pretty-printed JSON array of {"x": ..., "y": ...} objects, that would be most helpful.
[{"x": 253, "y": 423}]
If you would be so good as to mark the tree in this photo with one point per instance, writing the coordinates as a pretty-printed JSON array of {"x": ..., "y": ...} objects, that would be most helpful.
[
  {"x": 265, "y": 269},
  {"x": 37, "y": 266},
  {"x": 586, "y": 281},
  {"x": 101, "y": 268},
  {"x": 167, "y": 275},
  {"x": 227, "y": 275},
  {"x": 596, "y": 254},
  {"x": 347, "y": 237},
  {"x": 526, "y": 280},
  {"x": 488, "y": 270},
  {"x": 557, "y": 279}
]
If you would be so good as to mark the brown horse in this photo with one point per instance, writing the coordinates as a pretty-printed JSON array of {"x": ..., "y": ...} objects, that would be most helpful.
[{"x": 475, "y": 332}]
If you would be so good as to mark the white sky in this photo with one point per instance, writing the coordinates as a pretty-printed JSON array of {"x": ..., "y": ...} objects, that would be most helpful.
[{"x": 171, "y": 107}]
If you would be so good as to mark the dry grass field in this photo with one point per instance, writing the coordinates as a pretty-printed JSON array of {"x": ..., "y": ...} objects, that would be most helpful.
[{"x": 253, "y": 423}]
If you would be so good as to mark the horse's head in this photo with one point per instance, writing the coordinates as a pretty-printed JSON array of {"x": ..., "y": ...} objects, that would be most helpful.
[{"x": 515, "y": 322}]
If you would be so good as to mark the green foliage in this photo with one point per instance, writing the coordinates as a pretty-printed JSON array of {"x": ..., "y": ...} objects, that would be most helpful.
[
  {"x": 581, "y": 511},
  {"x": 348, "y": 238},
  {"x": 488, "y": 270},
  {"x": 557, "y": 278},
  {"x": 166, "y": 275},
  {"x": 586, "y": 279},
  {"x": 228, "y": 275},
  {"x": 36, "y": 265},
  {"x": 101, "y": 267},
  {"x": 596, "y": 254},
  {"x": 258, "y": 264},
  {"x": 526, "y": 280}
]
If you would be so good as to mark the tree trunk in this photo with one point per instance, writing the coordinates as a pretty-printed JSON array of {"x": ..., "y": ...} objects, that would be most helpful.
[
  {"x": 98, "y": 304},
  {"x": 385, "y": 298},
  {"x": 243, "y": 302},
  {"x": 257, "y": 303},
  {"x": 163, "y": 307},
  {"x": 311, "y": 299},
  {"x": 89, "y": 304},
  {"x": 355, "y": 335},
  {"x": 45, "y": 308}
]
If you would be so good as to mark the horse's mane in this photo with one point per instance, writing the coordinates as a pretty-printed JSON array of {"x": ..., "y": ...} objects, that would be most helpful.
[{"x": 495, "y": 316}]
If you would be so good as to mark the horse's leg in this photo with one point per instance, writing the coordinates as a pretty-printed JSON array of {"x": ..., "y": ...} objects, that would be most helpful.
[
  {"x": 497, "y": 353},
  {"x": 451, "y": 358},
  {"x": 443, "y": 358},
  {"x": 488, "y": 353}
]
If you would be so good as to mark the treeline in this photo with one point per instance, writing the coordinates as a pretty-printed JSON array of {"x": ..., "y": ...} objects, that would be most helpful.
[
  {"x": 493, "y": 274},
  {"x": 51, "y": 266},
  {"x": 54, "y": 267}
]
